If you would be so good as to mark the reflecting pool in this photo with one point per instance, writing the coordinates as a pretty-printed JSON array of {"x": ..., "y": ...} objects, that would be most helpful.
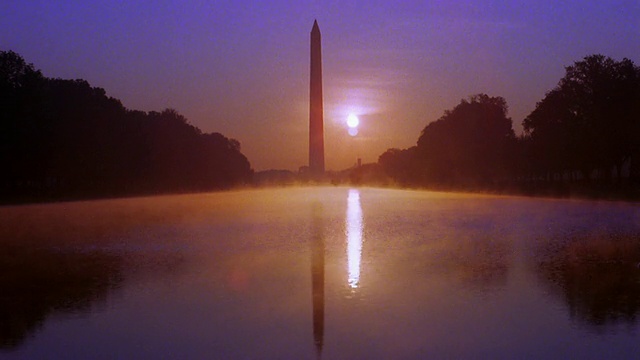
[{"x": 326, "y": 272}]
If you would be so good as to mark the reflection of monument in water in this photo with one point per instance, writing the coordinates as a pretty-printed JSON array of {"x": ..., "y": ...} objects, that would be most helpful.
[
  {"x": 316, "y": 122},
  {"x": 317, "y": 277}
]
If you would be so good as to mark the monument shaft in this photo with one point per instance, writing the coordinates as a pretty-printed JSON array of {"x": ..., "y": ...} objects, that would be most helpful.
[{"x": 316, "y": 116}]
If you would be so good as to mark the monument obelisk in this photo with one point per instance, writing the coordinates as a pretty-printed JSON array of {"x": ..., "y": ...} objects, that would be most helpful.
[{"x": 316, "y": 121}]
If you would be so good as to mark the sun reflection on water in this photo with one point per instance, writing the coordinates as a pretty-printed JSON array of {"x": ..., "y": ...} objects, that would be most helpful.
[{"x": 354, "y": 237}]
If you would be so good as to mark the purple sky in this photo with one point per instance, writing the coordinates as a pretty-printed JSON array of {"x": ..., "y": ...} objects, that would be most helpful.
[{"x": 241, "y": 67}]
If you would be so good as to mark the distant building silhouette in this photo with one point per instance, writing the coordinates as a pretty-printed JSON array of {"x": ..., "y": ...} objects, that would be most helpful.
[{"x": 316, "y": 121}]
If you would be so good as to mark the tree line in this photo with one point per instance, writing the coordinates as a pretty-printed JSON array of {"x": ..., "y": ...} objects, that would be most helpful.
[
  {"x": 584, "y": 132},
  {"x": 63, "y": 138}
]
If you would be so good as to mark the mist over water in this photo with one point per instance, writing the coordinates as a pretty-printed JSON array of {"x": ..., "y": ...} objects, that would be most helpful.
[{"x": 334, "y": 272}]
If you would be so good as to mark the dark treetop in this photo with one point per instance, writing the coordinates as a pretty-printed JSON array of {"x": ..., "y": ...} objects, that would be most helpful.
[
  {"x": 583, "y": 138},
  {"x": 65, "y": 139}
]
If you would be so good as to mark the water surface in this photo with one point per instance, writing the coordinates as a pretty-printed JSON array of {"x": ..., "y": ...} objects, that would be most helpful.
[{"x": 336, "y": 273}]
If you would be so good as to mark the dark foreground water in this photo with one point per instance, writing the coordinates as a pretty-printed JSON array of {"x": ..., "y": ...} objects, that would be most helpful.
[{"x": 335, "y": 273}]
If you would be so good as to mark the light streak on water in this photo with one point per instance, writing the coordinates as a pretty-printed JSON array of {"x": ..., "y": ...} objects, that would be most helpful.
[{"x": 354, "y": 237}]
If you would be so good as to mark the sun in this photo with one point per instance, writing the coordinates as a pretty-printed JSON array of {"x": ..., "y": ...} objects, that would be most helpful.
[{"x": 353, "y": 121}]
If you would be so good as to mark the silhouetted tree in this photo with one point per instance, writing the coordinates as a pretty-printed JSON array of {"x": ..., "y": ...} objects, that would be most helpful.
[
  {"x": 589, "y": 124},
  {"x": 61, "y": 138},
  {"x": 472, "y": 144},
  {"x": 21, "y": 111},
  {"x": 400, "y": 165},
  {"x": 588, "y": 121},
  {"x": 551, "y": 146},
  {"x": 469, "y": 144}
]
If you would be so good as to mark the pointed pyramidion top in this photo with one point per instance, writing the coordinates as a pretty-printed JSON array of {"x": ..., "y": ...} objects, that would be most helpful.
[{"x": 315, "y": 28}]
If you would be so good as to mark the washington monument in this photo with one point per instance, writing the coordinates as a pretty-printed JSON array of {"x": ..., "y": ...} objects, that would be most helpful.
[{"x": 316, "y": 122}]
